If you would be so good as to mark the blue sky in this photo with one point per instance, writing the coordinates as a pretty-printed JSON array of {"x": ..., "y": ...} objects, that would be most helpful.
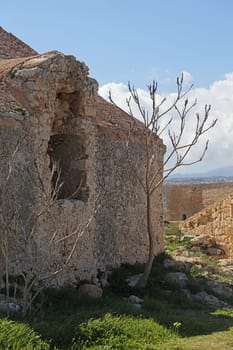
[
  {"x": 141, "y": 40},
  {"x": 135, "y": 40}
]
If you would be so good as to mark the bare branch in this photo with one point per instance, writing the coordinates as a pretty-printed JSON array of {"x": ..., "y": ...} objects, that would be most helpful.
[{"x": 155, "y": 126}]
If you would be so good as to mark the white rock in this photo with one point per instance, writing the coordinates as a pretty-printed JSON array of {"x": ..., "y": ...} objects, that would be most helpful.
[
  {"x": 133, "y": 299},
  {"x": 133, "y": 280}
]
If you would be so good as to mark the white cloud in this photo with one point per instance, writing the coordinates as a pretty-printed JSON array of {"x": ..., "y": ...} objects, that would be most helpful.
[{"x": 219, "y": 95}]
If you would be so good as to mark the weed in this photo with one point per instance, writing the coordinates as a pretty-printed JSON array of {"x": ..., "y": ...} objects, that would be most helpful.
[
  {"x": 196, "y": 271},
  {"x": 20, "y": 109},
  {"x": 15, "y": 335},
  {"x": 223, "y": 312},
  {"x": 123, "y": 332}
]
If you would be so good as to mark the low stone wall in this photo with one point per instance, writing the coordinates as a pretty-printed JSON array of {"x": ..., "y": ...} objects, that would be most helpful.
[
  {"x": 183, "y": 201},
  {"x": 216, "y": 221}
]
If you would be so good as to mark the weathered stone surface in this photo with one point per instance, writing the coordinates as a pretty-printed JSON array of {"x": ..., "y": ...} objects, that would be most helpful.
[
  {"x": 90, "y": 290},
  {"x": 175, "y": 264},
  {"x": 208, "y": 299},
  {"x": 203, "y": 241},
  {"x": 133, "y": 280},
  {"x": 220, "y": 289},
  {"x": 178, "y": 279},
  {"x": 215, "y": 251},
  {"x": 133, "y": 299},
  {"x": 12, "y": 47},
  {"x": 215, "y": 222},
  {"x": 185, "y": 200},
  {"x": 57, "y": 118}
]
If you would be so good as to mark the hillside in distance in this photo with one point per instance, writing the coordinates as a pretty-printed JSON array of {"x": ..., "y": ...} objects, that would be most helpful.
[{"x": 215, "y": 175}]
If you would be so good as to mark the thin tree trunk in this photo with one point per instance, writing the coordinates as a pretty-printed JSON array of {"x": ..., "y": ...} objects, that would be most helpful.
[{"x": 147, "y": 270}]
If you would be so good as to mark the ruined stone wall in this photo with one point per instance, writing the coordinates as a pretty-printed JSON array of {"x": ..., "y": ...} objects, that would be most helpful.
[
  {"x": 183, "y": 201},
  {"x": 12, "y": 47},
  {"x": 216, "y": 221},
  {"x": 60, "y": 125},
  {"x": 121, "y": 222}
]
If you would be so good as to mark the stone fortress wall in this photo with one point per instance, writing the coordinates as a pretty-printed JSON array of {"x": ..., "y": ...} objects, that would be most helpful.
[
  {"x": 185, "y": 200},
  {"x": 215, "y": 221},
  {"x": 51, "y": 113}
]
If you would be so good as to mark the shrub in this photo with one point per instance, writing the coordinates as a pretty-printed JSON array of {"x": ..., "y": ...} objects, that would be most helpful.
[
  {"x": 122, "y": 332},
  {"x": 19, "y": 336}
]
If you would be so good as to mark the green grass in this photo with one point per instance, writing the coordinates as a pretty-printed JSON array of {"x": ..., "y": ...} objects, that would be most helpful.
[
  {"x": 123, "y": 332},
  {"x": 112, "y": 323},
  {"x": 166, "y": 321},
  {"x": 16, "y": 336}
]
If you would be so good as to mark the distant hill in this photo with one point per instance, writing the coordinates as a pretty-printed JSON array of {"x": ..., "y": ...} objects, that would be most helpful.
[{"x": 224, "y": 174}]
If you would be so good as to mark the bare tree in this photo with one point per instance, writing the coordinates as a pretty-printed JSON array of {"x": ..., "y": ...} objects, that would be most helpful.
[
  {"x": 155, "y": 124},
  {"x": 20, "y": 236}
]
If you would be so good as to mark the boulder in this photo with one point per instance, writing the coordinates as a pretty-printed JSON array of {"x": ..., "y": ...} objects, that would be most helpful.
[
  {"x": 133, "y": 299},
  {"x": 220, "y": 289},
  {"x": 174, "y": 264},
  {"x": 203, "y": 241},
  {"x": 12, "y": 307},
  {"x": 214, "y": 251},
  {"x": 178, "y": 279},
  {"x": 90, "y": 290},
  {"x": 209, "y": 299},
  {"x": 133, "y": 280}
]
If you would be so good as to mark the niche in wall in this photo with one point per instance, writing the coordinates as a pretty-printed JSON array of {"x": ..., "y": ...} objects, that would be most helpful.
[{"x": 68, "y": 164}]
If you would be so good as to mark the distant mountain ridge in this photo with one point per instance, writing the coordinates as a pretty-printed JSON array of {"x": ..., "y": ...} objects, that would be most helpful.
[
  {"x": 219, "y": 172},
  {"x": 224, "y": 174}
]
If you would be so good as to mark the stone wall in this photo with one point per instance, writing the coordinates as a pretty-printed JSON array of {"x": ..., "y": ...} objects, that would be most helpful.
[
  {"x": 66, "y": 137},
  {"x": 12, "y": 47},
  {"x": 215, "y": 221},
  {"x": 183, "y": 201}
]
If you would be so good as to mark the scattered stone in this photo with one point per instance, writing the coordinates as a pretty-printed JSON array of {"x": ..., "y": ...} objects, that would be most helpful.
[
  {"x": 173, "y": 238},
  {"x": 226, "y": 262},
  {"x": 184, "y": 237},
  {"x": 220, "y": 289},
  {"x": 178, "y": 279},
  {"x": 104, "y": 283},
  {"x": 133, "y": 299},
  {"x": 90, "y": 290},
  {"x": 203, "y": 240},
  {"x": 228, "y": 271},
  {"x": 195, "y": 249},
  {"x": 133, "y": 280},
  {"x": 215, "y": 251},
  {"x": 12, "y": 307},
  {"x": 174, "y": 264},
  {"x": 208, "y": 299}
]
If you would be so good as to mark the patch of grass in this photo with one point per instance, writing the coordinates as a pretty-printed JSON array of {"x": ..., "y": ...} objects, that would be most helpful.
[
  {"x": 186, "y": 242},
  {"x": 173, "y": 229},
  {"x": 196, "y": 271},
  {"x": 122, "y": 332},
  {"x": 18, "y": 336},
  {"x": 173, "y": 240},
  {"x": 223, "y": 312},
  {"x": 166, "y": 321}
]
